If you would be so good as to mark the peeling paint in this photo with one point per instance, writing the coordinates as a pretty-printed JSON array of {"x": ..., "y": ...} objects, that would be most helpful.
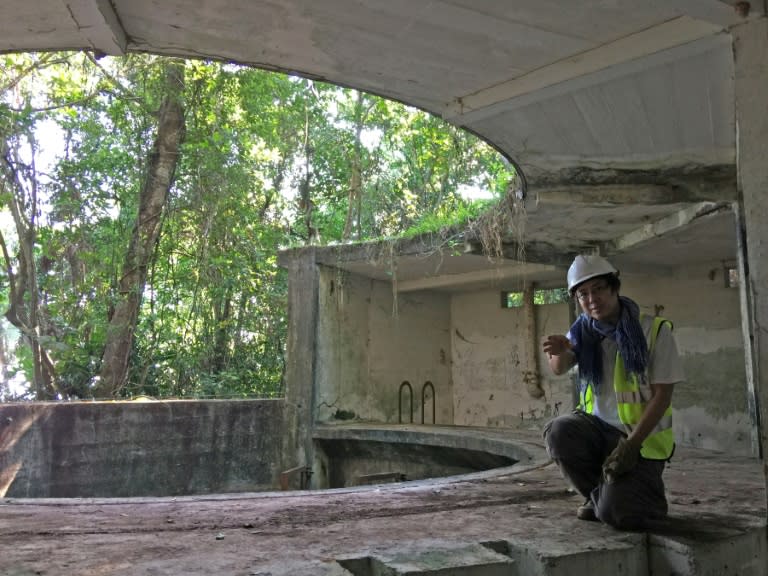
[
  {"x": 473, "y": 352},
  {"x": 692, "y": 182}
]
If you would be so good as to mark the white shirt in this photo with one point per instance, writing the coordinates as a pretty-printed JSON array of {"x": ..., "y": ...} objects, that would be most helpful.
[{"x": 664, "y": 367}]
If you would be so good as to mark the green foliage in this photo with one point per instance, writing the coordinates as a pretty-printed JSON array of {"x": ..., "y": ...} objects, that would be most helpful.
[
  {"x": 268, "y": 161},
  {"x": 463, "y": 213},
  {"x": 551, "y": 296},
  {"x": 540, "y": 297}
]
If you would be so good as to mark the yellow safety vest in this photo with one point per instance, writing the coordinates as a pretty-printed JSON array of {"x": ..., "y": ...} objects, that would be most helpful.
[{"x": 631, "y": 399}]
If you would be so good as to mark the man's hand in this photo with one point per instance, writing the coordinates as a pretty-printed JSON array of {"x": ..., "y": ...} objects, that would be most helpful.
[
  {"x": 556, "y": 345},
  {"x": 623, "y": 459},
  {"x": 560, "y": 354}
]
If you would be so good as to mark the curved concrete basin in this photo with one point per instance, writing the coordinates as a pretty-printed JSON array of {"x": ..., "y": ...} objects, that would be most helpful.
[{"x": 362, "y": 454}]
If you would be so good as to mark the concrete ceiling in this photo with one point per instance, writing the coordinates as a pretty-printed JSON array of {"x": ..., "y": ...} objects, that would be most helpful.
[{"x": 618, "y": 114}]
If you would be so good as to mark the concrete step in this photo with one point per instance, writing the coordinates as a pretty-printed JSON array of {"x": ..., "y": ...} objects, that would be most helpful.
[
  {"x": 725, "y": 553},
  {"x": 623, "y": 555},
  {"x": 469, "y": 560}
]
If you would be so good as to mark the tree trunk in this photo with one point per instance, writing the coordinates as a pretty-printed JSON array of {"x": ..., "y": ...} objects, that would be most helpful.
[
  {"x": 222, "y": 318},
  {"x": 305, "y": 200},
  {"x": 356, "y": 178},
  {"x": 146, "y": 231},
  {"x": 25, "y": 310}
]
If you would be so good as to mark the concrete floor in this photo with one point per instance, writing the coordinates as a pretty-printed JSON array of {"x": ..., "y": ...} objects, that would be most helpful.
[{"x": 484, "y": 525}]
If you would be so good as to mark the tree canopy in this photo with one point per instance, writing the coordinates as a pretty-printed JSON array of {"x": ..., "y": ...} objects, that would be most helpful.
[{"x": 145, "y": 199}]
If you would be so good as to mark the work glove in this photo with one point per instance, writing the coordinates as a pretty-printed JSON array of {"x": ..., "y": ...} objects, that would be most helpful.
[{"x": 623, "y": 459}]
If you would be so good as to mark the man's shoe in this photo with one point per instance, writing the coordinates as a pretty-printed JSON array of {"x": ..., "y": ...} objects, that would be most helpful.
[{"x": 587, "y": 511}]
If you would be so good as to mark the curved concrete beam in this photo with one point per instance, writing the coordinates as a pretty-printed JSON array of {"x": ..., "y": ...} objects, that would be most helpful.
[{"x": 99, "y": 25}]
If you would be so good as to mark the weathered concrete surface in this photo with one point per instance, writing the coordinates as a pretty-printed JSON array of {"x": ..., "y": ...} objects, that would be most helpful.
[
  {"x": 717, "y": 520},
  {"x": 474, "y": 559},
  {"x": 488, "y": 359},
  {"x": 750, "y": 45},
  {"x": 300, "y": 358},
  {"x": 347, "y": 452},
  {"x": 358, "y": 462},
  {"x": 109, "y": 449},
  {"x": 368, "y": 343},
  {"x": 711, "y": 405}
]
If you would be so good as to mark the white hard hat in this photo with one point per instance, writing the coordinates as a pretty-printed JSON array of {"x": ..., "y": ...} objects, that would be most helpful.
[{"x": 588, "y": 266}]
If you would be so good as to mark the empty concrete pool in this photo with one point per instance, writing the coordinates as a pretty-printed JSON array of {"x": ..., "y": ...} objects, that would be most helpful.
[{"x": 364, "y": 454}]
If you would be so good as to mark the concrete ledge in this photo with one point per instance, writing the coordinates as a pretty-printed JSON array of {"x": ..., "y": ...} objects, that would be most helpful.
[
  {"x": 352, "y": 455},
  {"x": 471, "y": 560},
  {"x": 726, "y": 551},
  {"x": 623, "y": 555},
  {"x": 126, "y": 448},
  {"x": 508, "y": 443}
]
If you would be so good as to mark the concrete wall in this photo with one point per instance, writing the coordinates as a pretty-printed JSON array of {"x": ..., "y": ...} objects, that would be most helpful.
[
  {"x": 489, "y": 358},
  {"x": 711, "y": 405},
  {"x": 488, "y": 352},
  {"x": 475, "y": 353},
  {"x": 368, "y": 345},
  {"x": 300, "y": 356},
  {"x": 360, "y": 462},
  {"x": 120, "y": 449}
]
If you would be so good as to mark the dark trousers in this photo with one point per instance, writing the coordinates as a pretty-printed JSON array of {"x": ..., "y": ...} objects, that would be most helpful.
[{"x": 579, "y": 444}]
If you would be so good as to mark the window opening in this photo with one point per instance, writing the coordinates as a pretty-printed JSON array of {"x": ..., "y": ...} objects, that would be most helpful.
[{"x": 540, "y": 297}]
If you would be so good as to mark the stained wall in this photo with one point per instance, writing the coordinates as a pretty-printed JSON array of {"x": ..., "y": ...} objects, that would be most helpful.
[
  {"x": 711, "y": 405},
  {"x": 490, "y": 351},
  {"x": 711, "y": 409},
  {"x": 476, "y": 354},
  {"x": 369, "y": 342},
  {"x": 123, "y": 449}
]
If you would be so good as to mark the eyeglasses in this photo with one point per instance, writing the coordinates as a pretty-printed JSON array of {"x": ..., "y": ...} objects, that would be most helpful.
[{"x": 595, "y": 291}]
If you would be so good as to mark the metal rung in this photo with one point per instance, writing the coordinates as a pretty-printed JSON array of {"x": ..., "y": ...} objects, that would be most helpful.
[{"x": 305, "y": 473}]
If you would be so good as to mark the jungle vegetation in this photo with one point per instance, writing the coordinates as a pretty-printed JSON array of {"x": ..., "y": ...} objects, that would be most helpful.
[{"x": 143, "y": 202}]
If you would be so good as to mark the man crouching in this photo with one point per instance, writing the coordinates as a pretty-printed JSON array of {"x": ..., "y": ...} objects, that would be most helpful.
[{"x": 613, "y": 447}]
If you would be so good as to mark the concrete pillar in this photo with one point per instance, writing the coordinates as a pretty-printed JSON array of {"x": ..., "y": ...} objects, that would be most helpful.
[
  {"x": 303, "y": 287},
  {"x": 750, "y": 47}
]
